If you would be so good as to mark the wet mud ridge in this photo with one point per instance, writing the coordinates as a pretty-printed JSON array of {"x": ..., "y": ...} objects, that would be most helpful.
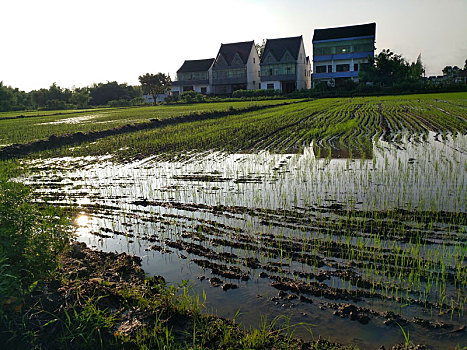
[
  {"x": 57, "y": 141},
  {"x": 115, "y": 285}
]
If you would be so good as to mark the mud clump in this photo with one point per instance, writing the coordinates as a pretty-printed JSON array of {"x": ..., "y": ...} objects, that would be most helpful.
[{"x": 353, "y": 312}]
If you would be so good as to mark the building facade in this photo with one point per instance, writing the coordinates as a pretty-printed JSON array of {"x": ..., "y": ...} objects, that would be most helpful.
[
  {"x": 194, "y": 75},
  {"x": 338, "y": 53},
  {"x": 284, "y": 65},
  {"x": 236, "y": 67}
]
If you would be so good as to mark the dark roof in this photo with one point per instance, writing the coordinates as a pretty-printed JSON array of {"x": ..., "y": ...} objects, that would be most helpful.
[
  {"x": 345, "y": 32},
  {"x": 196, "y": 65},
  {"x": 278, "y": 46},
  {"x": 228, "y": 51}
]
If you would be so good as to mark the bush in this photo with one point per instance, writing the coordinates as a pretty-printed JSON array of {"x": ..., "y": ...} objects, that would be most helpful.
[
  {"x": 256, "y": 93},
  {"x": 138, "y": 101},
  {"x": 192, "y": 96},
  {"x": 119, "y": 103},
  {"x": 172, "y": 98},
  {"x": 55, "y": 104},
  {"x": 30, "y": 236}
]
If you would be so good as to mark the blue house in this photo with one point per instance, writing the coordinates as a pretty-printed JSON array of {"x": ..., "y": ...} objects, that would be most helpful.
[{"x": 338, "y": 53}]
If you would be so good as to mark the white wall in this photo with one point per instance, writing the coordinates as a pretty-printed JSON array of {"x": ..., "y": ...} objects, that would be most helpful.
[
  {"x": 277, "y": 85},
  {"x": 252, "y": 70},
  {"x": 301, "y": 68},
  {"x": 150, "y": 99},
  {"x": 197, "y": 88}
]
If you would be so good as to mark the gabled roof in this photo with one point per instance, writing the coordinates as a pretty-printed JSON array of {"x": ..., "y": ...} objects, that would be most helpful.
[
  {"x": 243, "y": 49},
  {"x": 196, "y": 65},
  {"x": 345, "y": 32},
  {"x": 277, "y": 47}
]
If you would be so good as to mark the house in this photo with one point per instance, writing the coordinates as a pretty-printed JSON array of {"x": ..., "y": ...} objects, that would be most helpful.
[
  {"x": 150, "y": 99},
  {"x": 339, "y": 52},
  {"x": 194, "y": 75},
  {"x": 236, "y": 67},
  {"x": 284, "y": 65}
]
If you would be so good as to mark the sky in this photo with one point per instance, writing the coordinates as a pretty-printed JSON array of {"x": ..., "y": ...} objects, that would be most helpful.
[{"x": 78, "y": 43}]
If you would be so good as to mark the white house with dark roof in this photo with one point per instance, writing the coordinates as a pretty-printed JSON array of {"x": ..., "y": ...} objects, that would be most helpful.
[
  {"x": 285, "y": 65},
  {"x": 236, "y": 67},
  {"x": 194, "y": 75},
  {"x": 338, "y": 53}
]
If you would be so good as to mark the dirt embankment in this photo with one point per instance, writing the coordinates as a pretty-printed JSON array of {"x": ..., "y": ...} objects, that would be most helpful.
[{"x": 116, "y": 285}]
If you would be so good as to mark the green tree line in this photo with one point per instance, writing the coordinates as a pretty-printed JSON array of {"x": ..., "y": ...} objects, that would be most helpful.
[{"x": 56, "y": 97}]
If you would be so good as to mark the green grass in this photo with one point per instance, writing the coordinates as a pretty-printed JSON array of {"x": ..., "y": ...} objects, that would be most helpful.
[
  {"x": 43, "y": 124},
  {"x": 331, "y": 124}
]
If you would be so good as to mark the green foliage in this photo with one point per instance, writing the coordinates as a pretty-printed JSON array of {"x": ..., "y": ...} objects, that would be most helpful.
[
  {"x": 101, "y": 94},
  {"x": 256, "y": 93},
  {"x": 30, "y": 236},
  {"x": 388, "y": 69},
  {"x": 138, "y": 101},
  {"x": 155, "y": 84},
  {"x": 119, "y": 103},
  {"x": 13, "y": 99},
  {"x": 41, "y": 125},
  {"x": 192, "y": 97},
  {"x": 80, "y": 98},
  {"x": 86, "y": 325}
]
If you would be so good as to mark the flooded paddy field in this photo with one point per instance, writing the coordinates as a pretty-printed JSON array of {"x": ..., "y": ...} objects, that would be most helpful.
[
  {"x": 346, "y": 214},
  {"x": 352, "y": 246}
]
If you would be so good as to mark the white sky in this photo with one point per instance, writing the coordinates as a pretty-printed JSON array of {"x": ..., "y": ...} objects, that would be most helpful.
[{"x": 77, "y": 43}]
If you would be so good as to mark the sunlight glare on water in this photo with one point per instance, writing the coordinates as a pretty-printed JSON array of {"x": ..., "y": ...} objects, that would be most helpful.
[{"x": 82, "y": 220}]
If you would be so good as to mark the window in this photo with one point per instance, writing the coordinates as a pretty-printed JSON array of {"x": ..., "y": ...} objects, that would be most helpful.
[
  {"x": 204, "y": 90},
  {"x": 342, "y": 49},
  {"x": 363, "y": 48},
  {"x": 229, "y": 73},
  {"x": 355, "y": 67},
  {"x": 329, "y": 68},
  {"x": 270, "y": 86},
  {"x": 342, "y": 67},
  {"x": 193, "y": 76},
  {"x": 188, "y": 88},
  {"x": 277, "y": 69},
  {"x": 253, "y": 60},
  {"x": 320, "y": 69}
]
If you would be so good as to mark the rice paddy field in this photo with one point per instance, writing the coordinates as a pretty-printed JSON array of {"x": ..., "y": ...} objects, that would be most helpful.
[{"x": 345, "y": 214}]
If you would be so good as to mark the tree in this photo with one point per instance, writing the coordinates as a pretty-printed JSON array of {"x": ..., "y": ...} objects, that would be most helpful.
[
  {"x": 80, "y": 97},
  {"x": 388, "y": 68},
  {"x": 450, "y": 71},
  {"x": 260, "y": 48},
  {"x": 7, "y": 99},
  {"x": 465, "y": 65},
  {"x": 155, "y": 84},
  {"x": 102, "y": 93},
  {"x": 417, "y": 69}
]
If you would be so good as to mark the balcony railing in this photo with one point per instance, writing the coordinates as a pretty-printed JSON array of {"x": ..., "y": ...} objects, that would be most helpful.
[
  {"x": 190, "y": 82},
  {"x": 237, "y": 80}
]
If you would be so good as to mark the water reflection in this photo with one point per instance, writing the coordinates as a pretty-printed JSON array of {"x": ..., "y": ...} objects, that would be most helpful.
[
  {"x": 82, "y": 223},
  {"x": 230, "y": 209}
]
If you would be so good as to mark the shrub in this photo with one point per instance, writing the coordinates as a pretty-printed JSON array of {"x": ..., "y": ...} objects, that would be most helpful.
[
  {"x": 138, "y": 101},
  {"x": 119, "y": 103},
  {"x": 256, "y": 93},
  {"x": 31, "y": 236},
  {"x": 192, "y": 96}
]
